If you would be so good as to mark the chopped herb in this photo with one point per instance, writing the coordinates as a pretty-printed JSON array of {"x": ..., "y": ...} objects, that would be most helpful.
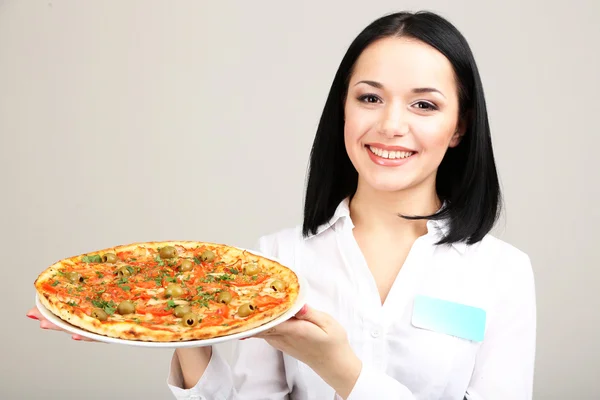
[
  {"x": 171, "y": 279},
  {"x": 101, "y": 291},
  {"x": 224, "y": 277},
  {"x": 199, "y": 288},
  {"x": 136, "y": 320},
  {"x": 219, "y": 263},
  {"x": 54, "y": 283},
  {"x": 208, "y": 279},
  {"x": 92, "y": 259},
  {"x": 159, "y": 261},
  {"x": 170, "y": 304},
  {"x": 72, "y": 303},
  {"x": 158, "y": 280},
  {"x": 125, "y": 288},
  {"x": 254, "y": 277},
  {"x": 234, "y": 271},
  {"x": 108, "y": 306},
  {"x": 79, "y": 288},
  {"x": 133, "y": 259},
  {"x": 60, "y": 272},
  {"x": 122, "y": 280},
  {"x": 155, "y": 298},
  {"x": 130, "y": 269},
  {"x": 100, "y": 274},
  {"x": 225, "y": 324},
  {"x": 197, "y": 260}
]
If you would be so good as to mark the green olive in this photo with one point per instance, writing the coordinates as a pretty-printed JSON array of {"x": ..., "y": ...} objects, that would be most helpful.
[
  {"x": 182, "y": 310},
  {"x": 224, "y": 297},
  {"x": 173, "y": 290},
  {"x": 207, "y": 255},
  {"x": 125, "y": 307},
  {"x": 245, "y": 310},
  {"x": 189, "y": 319},
  {"x": 99, "y": 314},
  {"x": 186, "y": 265},
  {"x": 251, "y": 269},
  {"x": 75, "y": 277},
  {"x": 278, "y": 286},
  {"x": 167, "y": 252},
  {"x": 109, "y": 257},
  {"x": 122, "y": 272}
]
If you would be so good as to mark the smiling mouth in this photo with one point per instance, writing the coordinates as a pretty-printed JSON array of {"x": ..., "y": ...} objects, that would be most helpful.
[{"x": 390, "y": 154}]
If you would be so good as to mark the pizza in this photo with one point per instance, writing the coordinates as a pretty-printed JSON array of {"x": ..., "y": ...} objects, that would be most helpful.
[{"x": 168, "y": 291}]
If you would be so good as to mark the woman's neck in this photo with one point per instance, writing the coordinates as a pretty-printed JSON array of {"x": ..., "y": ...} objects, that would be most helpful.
[{"x": 378, "y": 212}]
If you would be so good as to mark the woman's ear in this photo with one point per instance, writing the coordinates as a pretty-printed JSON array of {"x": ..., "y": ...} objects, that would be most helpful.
[{"x": 458, "y": 133}]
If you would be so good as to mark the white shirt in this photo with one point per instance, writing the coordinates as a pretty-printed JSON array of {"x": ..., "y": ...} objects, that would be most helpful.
[{"x": 400, "y": 361}]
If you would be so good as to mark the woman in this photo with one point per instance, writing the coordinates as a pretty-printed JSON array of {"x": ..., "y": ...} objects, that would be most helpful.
[{"x": 410, "y": 296}]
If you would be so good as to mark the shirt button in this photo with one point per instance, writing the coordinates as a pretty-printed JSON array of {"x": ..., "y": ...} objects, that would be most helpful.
[{"x": 375, "y": 333}]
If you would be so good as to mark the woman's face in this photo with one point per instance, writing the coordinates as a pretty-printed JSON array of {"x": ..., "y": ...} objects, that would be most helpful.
[{"x": 401, "y": 114}]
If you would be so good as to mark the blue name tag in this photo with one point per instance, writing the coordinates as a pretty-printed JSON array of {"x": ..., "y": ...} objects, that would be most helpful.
[{"x": 450, "y": 318}]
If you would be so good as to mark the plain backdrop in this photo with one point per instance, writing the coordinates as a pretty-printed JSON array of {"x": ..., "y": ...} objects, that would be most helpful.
[{"x": 126, "y": 121}]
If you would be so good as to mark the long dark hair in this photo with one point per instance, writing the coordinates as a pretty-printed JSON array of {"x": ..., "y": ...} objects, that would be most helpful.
[{"x": 467, "y": 181}]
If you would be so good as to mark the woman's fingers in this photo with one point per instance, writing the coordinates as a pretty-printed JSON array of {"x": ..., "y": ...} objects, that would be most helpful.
[{"x": 34, "y": 313}]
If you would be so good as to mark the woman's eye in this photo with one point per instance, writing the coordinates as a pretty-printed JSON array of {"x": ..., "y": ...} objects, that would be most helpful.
[
  {"x": 424, "y": 105},
  {"x": 369, "y": 98}
]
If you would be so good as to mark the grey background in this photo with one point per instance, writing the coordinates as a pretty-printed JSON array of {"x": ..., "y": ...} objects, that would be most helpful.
[{"x": 149, "y": 120}]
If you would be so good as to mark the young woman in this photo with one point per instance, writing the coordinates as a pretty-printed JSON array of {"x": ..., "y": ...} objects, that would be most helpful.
[{"x": 410, "y": 296}]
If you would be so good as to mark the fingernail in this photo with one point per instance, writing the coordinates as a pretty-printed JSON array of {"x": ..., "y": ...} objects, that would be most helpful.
[
  {"x": 244, "y": 338},
  {"x": 303, "y": 310},
  {"x": 32, "y": 317},
  {"x": 75, "y": 338}
]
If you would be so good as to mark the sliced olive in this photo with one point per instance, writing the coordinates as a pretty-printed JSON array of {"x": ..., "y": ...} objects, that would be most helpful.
[
  {"x": 173, "y": 290},
  {"x": 245, "y": 310},
  {"x": 224, "y": 297},
  {"x": 186, "y": 265},
  {"x": 126, "y": 307},
  {"x": 167, "y": 252},
  {"x": 278, "y": 286},
  {"x": 99, "y": 314},
  {"x": 182, "y": 310},
  {"x": 251, "y": 269},
  {"x": 207, "y": 255},
  {"x": 109, "y": 257},
  {"x": 75, "y": 277},
  {"x": 122, "y": 272},
  {"x": 189, "y": 319}
]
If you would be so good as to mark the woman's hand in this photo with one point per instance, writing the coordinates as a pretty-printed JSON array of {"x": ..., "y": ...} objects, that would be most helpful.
[
  {"x": 319, "y": 341},
  {"x": 34, "y": 313}
]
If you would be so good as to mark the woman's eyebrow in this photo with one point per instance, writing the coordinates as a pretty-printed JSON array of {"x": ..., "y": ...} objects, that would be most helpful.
[{"x": 379, "y": 85}]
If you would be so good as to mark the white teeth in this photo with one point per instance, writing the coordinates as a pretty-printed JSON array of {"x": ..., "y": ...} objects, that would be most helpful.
[{"x": 390, "y": 154}]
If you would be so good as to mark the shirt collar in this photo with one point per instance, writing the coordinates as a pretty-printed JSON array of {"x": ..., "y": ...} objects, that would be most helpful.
[{"x": 342, "y": 213}]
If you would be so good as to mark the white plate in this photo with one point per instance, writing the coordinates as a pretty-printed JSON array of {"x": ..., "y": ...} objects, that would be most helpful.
[{"x": 300, "y": 301}]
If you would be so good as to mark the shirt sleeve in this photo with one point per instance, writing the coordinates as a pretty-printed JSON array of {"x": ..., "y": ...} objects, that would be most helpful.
[
  {"x": 373, "y": 384},
  {"x": 242, "y": 381},
  {"x": 257, "y": 370},
  {"x": 505, "y": 362}
]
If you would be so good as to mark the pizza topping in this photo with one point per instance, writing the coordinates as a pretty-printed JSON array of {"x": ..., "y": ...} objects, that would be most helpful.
[
  {"x": 245, "y": 309},
  {"x": 74, "y": 277},
  {"x": 109, "y": 258},
  {"x": 124, "y": 272},
  {"x": 167, "y": 252},
  {"x": 186, "y": 265},
  {"x": 181, "y": 310},
  {"x": 96, "y": 258},
  {"x": 173, "y": 290},
  {"x": 224, "y": 297},
  {"x": 278, "y": 286},
  {"x": 126, "y": 307},
  {"x": 99, "y": 314},
  {"x": 189, "y": 320},
  {"x": 251, "y": 269},
  {"x": 207, "y": 256}
]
